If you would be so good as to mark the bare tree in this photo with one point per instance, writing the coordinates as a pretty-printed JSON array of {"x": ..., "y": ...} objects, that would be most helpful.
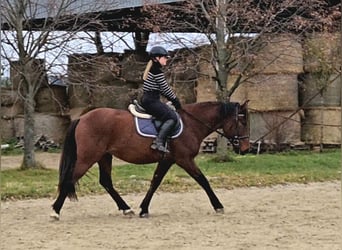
[
  {"x": 31, "y": 26},
  {"x": 237, "y": 30}
]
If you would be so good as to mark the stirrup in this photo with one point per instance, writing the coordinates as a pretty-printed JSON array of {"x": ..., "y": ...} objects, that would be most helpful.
[{"x": 159, "y": 147}]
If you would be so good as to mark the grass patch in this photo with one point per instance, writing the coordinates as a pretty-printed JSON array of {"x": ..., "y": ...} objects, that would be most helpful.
[
  {"x": 20, "y": 184},
  {"x": 241, "y": 171}
]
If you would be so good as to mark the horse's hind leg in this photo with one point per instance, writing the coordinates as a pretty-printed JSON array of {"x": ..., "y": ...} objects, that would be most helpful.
[
  {"x": 159, "y": 173},
  {"x": 57, "y": 205},
  {"x": 67, "y": 189},
  {"x": 105, "y": 165}
]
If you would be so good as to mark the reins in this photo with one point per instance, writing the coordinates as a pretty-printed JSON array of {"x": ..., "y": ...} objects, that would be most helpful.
[
  {"x": 235, "y": 140},
  {"x": 202, "y": 122}
]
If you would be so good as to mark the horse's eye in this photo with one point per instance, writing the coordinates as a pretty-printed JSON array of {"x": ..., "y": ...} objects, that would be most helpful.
[{"x": 242, "y": 119}]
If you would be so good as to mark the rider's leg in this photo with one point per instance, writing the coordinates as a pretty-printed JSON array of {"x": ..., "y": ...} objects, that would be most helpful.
[
  {"x": 165, "y": 129},
  {"x": 163, "y": 113}
]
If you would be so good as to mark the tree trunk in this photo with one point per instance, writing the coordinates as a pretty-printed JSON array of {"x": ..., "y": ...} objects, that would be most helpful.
[
  {"x": 98, "y": 43},
  {"x": 29, "y": 160},
  {"x": 30, "y": 79},
  {"x": 222, "y": 72},
  {"x": 222, "y": 54}
]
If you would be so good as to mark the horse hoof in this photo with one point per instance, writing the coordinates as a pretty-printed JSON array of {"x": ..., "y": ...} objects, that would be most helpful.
[
  {"x": 219, "y": 210},
  {"x": 54, "y": 216},
  {"x": 128, "y": 212},
  {"x": 144, "y": 215}
]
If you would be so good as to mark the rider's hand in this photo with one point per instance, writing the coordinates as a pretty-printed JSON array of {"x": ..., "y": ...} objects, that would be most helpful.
[{"x": 177, "y": 104}]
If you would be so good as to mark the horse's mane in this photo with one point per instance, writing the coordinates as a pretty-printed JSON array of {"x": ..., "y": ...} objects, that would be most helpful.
[
  {"x": 225, "y": 108},
  {"x": 228, "y": 108}
]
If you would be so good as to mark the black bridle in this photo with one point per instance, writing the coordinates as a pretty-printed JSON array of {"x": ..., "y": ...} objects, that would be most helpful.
[{"x": 236, "y": 139}]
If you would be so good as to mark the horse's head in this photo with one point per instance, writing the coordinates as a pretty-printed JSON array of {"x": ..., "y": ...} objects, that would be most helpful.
[{"x": 235, "y": 127}]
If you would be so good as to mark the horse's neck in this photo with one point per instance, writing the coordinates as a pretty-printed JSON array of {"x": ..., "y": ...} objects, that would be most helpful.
[
  {"x": 209, "y": 114},
  {"x": 208, "y": 117}
]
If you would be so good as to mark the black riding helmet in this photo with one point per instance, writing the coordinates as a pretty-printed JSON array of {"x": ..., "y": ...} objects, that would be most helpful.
[{"x": 158, "y": 51}]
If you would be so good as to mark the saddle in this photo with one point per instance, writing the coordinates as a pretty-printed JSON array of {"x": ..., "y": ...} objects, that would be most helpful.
[{"x": 147, "y": 125}]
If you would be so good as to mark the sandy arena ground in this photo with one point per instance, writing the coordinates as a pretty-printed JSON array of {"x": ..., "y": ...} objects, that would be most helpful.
[{"x": 281, "y": 217}]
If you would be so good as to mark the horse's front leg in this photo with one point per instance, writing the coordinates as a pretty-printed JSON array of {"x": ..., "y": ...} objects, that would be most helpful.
[
  {"x": 105, "y": 165},
  {"x": 159, "y": 173},
  {"x": 191, "y": 168}
]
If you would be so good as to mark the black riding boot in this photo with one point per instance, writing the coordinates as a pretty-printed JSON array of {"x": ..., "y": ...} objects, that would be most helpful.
[{"x": 159, "y": 142}]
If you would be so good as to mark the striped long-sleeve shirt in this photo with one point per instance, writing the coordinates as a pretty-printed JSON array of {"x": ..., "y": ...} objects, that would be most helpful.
[{"x": 156, "y": 82}]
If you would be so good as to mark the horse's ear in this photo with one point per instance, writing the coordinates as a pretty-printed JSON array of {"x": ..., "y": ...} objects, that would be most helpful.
[{"x": 245, "y": 104}]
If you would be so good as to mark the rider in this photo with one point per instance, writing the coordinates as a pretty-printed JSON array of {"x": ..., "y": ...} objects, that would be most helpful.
[{"x": 154, "y": 86}]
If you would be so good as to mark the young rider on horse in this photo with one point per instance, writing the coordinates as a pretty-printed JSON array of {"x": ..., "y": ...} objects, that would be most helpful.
[{"x": 155, "y": 85}]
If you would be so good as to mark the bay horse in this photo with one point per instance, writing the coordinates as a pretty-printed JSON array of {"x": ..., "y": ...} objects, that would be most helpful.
[{"x": 105, "y": 132}]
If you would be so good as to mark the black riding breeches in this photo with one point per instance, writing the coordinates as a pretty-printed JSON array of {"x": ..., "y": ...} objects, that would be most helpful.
[{"x": 161, "y": 111}]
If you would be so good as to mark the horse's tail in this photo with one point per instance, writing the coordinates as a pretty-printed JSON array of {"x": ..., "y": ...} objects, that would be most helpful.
[{"x": 68, "y": 161}]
